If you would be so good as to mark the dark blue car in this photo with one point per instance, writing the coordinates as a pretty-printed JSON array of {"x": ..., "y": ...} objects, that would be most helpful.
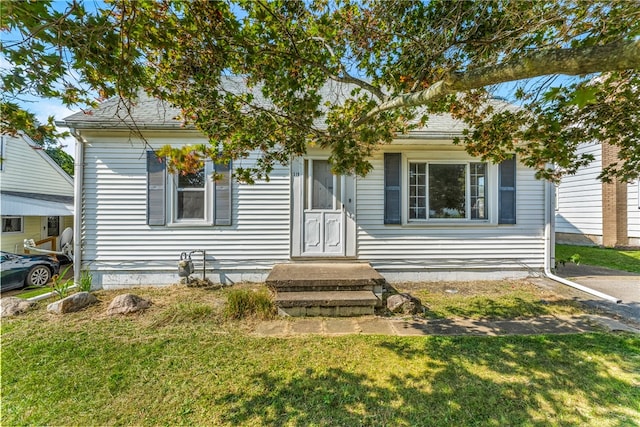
[{"x": 19, "y": 270}]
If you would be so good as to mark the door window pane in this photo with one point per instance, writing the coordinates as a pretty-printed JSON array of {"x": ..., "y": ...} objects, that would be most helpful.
[
  {"x": 53, "y": 226},
  {"x": 322, "y": 185}
]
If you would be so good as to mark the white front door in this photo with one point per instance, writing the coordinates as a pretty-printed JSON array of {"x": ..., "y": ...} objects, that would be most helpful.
[{"x": 324, "y": 220}]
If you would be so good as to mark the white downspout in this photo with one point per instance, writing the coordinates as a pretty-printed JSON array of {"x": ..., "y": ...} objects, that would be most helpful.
[
  {"x": 549, "y": 246},
  {"x": 78, "y": 176}
]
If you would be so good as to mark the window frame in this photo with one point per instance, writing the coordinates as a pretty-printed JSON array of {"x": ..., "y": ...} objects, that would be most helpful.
[
  {"x": 490, "y": 196},
  {"x": 161, "y": 186},
  {"x": 172, "y": 198},
  {"x": 21, "y": 230}
]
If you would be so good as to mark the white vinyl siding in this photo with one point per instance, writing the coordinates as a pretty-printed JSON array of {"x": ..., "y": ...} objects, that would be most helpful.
[
  {"x": 26, "y": 169},
  {"x": 579, "y": 209},
  {"x": 117, "y": 239},
  {"x": 466, "y": 245},
  {"x": 122, "y": 250}
]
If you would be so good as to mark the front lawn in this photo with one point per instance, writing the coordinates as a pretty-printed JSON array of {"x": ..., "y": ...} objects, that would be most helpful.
[
  {"x": 182, "y": 363},
  {"x": 625, "y": 260},
  {"x": 494, "y": 299}
]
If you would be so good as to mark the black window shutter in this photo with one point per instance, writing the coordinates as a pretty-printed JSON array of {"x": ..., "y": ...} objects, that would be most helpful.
[
  {"x": 222, "y": 195},
  {"x": 156, "y": 193},
  {"x": 507, "y": 193},
  {"x": 392, "y": 191}
]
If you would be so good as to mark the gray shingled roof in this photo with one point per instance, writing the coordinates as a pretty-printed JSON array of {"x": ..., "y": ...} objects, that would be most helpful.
[
  {"x": 146, "y": 112},
  {"x": 151, "y": 113}
]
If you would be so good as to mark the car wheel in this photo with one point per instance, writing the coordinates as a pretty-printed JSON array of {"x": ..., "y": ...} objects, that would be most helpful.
[{"x": 38, "y": 276}]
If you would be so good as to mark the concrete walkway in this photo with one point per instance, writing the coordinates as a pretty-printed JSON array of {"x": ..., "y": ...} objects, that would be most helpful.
[{"x": 373, "y": 325}]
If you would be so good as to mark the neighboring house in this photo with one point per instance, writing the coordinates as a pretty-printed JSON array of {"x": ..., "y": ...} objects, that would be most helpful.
[
  {"x": 589, "y": 212},
  {"x": 426, "y": 210},
  {"x": 36, "y": 194}
]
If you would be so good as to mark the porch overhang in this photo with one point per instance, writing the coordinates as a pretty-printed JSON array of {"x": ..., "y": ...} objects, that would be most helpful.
[{"x": 33, "y": 204}]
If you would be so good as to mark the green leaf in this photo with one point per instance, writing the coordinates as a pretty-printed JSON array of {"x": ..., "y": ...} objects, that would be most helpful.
[{"x": 584, "y": 96}]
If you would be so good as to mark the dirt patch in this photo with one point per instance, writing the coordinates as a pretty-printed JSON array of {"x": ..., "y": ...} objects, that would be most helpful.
[{"x": 486, "y": 288}]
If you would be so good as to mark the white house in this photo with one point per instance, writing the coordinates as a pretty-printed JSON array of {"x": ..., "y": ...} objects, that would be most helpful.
[
  {"x": 426, "y": 211},
  {"x": 589, "y": 212},
  {"x": 36, "y": 194}
]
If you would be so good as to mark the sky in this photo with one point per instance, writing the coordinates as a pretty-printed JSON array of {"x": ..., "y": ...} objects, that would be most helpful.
[{"x": 43, "y": 108}]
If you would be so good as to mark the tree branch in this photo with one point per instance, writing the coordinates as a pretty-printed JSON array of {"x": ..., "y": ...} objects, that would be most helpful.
[{"x": 616, "y": 56}]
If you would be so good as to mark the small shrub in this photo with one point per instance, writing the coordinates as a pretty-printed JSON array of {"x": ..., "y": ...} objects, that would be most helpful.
[
  {"x": 242, "y": 303},
  {"x": 86, "y": 280},
  {"x": 59, "y": 285},
  {"x": 575, "y": 258}
]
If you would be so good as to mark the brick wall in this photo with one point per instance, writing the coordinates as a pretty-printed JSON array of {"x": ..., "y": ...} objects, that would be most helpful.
[{"x": 614, "y": 204}]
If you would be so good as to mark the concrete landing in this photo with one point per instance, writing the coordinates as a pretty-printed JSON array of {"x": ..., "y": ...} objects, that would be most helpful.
[
  {"x": 323, "y": 275},
  {"x": 326, "y": 289}
]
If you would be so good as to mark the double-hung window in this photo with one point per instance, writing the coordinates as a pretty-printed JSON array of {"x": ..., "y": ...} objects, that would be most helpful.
[
  {"x": 188, "y": 199},
  {"x": 447, "y": 191},
  {"x": 190, "y": 196}
]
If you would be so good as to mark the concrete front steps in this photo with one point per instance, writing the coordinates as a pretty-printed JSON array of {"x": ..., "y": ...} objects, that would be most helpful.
[{"x": 326, "y": 289}]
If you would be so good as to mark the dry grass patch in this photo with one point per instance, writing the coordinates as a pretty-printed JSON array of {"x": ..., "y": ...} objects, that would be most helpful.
[{"x": 499, "y": 299}]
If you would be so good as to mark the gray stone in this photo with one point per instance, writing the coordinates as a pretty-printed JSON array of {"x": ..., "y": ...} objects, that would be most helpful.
[
  {"x": 12, "y": 306},
  {"x": 127, "y": 303},
  {"x": 404, "y": 303},
  {"x": 72, "y": 303}
]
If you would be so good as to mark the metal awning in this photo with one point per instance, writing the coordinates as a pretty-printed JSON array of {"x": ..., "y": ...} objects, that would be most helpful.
[{"x": 30, "y": 204}]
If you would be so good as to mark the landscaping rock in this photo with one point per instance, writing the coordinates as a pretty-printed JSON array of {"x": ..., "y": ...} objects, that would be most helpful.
[
  {"x": 72, "y": 303},
  {"x": 12, "y": 306},
  {"x": 404, "y": 303},
  {"x": 127, "y": 303}
]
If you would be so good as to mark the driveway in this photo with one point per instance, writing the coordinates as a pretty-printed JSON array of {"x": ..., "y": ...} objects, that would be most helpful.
[{"x": 620, "y": 284}]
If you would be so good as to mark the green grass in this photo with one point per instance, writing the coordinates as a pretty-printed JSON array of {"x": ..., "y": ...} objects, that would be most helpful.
[
  {"x": 625, "y": 260},
  {"x": 181, "y": 363},
  {"x": 34, "y": 292}
]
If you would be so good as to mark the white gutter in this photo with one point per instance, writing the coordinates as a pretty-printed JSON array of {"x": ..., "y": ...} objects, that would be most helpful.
[
  {"x": 78, "y": 176},
  {"x": 549, "y": 247}
]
